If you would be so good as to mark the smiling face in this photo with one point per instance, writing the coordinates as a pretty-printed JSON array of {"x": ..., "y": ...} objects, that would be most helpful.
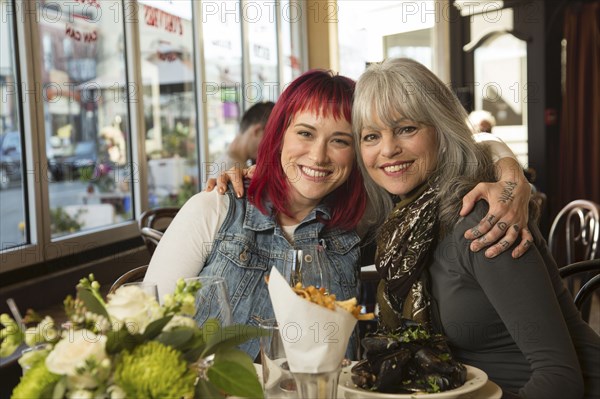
[
  {"x": 401, "y": 157},
  {"x": 317, "y": 157}
]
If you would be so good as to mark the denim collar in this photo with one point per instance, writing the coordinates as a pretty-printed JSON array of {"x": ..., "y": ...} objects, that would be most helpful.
[{"x": 257, "y": 221}]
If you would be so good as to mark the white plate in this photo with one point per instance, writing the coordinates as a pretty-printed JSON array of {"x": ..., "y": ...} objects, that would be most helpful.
[{"x": 476, "y": 379}]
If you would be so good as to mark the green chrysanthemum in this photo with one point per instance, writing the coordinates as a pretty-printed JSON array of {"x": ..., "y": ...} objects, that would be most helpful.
[
  {"x": 37, "y": 382},
  {"x": 154, "y": 370}
]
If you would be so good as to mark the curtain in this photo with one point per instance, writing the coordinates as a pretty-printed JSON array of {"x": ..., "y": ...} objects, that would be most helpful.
[{"x": 579, "y": 153}]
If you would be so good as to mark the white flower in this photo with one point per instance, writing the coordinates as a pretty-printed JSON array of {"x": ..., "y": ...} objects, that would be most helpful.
[
  {"x": 115, "y": 392},
  {"x": 71, "y": 353},
  {"x": 180, "y": 321},
  {"x": 133, "y": 307},
  {"x": 80, "y": 394},
  {"x": 43, "y": 332}
]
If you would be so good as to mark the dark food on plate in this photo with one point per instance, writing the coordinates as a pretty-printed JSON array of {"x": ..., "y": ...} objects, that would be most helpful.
[{"x": 406, "y": 361}]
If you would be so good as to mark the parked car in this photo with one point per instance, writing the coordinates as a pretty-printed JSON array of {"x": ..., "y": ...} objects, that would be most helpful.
[
  {"x": 10, "y": 159},
  {"x": 85, "y": 155}
]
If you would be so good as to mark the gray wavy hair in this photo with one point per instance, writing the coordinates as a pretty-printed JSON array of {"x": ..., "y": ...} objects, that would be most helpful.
[{"x": 405, "y": 87}]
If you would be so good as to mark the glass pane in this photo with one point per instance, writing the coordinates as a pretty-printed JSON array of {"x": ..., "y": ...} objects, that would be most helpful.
[
  {"x": 223, "y": 73},
  {"x": 12, "y": 209},
  {"x": 167, "y": 56},
  {"x": 86, "y": 114},
  {"x": 501, "y": 81},
  {"x": 262, "y": 46},
  {"x": 291, "y": 39}
]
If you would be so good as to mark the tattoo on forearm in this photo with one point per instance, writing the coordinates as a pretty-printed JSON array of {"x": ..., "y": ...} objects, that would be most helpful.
[
  {"x": 507, "y": 194},
  {"x": 502, "y": 226},
  {"x": 475, "y": 231},
  {"x": 491, "y": 219}
]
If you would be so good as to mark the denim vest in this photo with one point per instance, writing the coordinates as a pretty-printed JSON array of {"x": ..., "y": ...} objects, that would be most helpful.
[{"x": 250, "y": 243}]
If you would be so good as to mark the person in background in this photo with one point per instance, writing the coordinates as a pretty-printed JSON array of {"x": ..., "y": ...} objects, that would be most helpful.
[
  {"x": 244, "y": 147},
  {"x": 482, "y": 121},
  {"x": 513, "y": 318}
]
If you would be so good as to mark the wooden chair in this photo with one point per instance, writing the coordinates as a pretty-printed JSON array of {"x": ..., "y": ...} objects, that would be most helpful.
[
  {"x": 153, "y": 223},
  {"x": 131, "y": 276}
]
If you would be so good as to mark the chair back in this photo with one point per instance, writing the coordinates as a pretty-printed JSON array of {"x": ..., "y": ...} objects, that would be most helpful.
[
  {"x": 153, "y": 223},
  {"x": 131, "y": 276},
  {"x": 579, "y": 223},
  {"x": 590, "y": 268}
]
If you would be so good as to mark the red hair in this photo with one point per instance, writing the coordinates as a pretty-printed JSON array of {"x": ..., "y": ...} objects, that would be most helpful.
[{"x": 325, "y": 94}]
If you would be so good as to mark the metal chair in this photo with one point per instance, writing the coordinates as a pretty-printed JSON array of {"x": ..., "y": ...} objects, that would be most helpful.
[
  {"x": 587, "y": 289},
  {"x": 578, "y": 224},
  {"x": 131, "y": 276},
  {"x": 153, "y": 223},
  {"x": 581, "y": 221}
]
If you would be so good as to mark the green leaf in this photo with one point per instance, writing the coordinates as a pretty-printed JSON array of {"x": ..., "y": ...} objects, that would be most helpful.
[
  {"x": 59, "y": 389},
  {"x": 193, "y": 348},
  {"x": 118, "y": 340},
  {"x": 235, "y": 379},
  {"x": 236, "y": 356},
  {"x": 206, "y": 390},
  {"x": 91, "y": 302},
  {"x": 155, "y": 327},
  {"x": 176, "y": 338},
  {"x": 231, "y": 336}
]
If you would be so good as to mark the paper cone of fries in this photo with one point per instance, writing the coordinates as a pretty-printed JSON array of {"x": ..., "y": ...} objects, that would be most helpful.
[{"x": 315, "y": 338}]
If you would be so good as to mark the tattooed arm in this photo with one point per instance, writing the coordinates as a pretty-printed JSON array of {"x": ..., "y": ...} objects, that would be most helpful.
[{"x": 508, "y": 214}]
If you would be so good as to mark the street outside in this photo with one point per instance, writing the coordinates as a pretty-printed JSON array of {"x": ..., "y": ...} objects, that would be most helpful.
[{"x": 12, "y": 207}]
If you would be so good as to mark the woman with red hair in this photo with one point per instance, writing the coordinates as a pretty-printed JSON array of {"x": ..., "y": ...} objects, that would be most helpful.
[{"x": 306, "y": 193}]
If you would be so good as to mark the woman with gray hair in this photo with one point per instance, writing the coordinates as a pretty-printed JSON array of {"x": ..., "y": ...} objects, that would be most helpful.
[{"x": 514, "y": 319}]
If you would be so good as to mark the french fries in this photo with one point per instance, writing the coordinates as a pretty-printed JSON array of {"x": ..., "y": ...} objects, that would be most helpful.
[{"x": 318, "y": 296}]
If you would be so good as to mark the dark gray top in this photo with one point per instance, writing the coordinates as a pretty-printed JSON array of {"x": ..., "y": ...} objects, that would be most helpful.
[{"x": 513, "y": 318}]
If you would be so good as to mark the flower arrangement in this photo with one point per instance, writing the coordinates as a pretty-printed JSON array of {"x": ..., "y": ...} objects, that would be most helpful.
[
  {"x": 131, "y": 347},
  {"x": 100, "y": 175}
]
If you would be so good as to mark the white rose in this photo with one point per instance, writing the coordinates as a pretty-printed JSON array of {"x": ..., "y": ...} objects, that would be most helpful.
[
  {"x": 115, "y": 392},
  {"x": 180, "y": 321},
  {"x": 133, "y": 307},
  {"x": 73, "y": 350},
  {"x": 80, "y": 394}
]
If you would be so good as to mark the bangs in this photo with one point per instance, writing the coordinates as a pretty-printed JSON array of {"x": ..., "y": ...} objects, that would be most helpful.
[
  {"x": 386, "y": 97},
  {"x": 338, "y": 102}
]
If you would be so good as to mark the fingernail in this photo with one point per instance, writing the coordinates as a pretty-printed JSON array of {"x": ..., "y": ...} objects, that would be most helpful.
[
  {"x": 475, "y": 248},
  {"x": 490, "y": 254},
  {"x": 239, "y": 195},
  {"x": 221, "y": 190}
]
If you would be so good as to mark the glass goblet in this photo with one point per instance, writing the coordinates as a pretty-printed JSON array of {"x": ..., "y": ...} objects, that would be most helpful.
[
  {"x": 212, "y": 300},
  {"x": 308, "y": 267}
]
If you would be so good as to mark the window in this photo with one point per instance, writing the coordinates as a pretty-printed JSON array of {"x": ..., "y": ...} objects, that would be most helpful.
[
  {"x": 86, "y": 115},
  {"x": 13, "y": 229},
  {"x": 96, "y": 91},
  {"x": 222, "y": 91},
  {"x": 167, "y": 56}
]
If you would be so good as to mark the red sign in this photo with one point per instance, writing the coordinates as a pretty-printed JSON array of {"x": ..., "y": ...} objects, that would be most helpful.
[{"x": 163, "y": 20}]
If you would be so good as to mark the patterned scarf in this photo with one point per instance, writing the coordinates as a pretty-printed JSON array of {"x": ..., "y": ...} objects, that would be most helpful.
[{"x": 403, "y": 250}]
